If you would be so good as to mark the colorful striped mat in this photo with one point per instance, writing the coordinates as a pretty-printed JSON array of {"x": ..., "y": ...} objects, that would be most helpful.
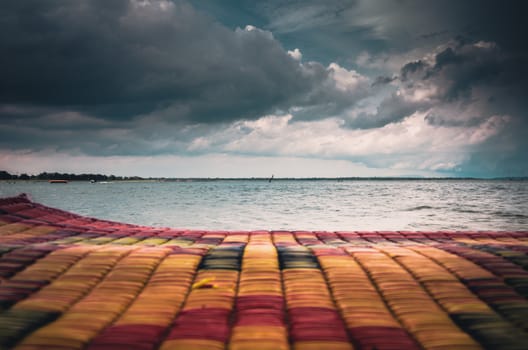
[{"x": 71, "y": 282}]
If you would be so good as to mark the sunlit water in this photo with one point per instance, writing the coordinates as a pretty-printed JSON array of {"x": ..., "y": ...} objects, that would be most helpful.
[{"x": 294, "y": 205}]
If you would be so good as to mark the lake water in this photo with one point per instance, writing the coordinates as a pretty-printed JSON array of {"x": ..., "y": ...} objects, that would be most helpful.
[{"x": 294, "y": 205}]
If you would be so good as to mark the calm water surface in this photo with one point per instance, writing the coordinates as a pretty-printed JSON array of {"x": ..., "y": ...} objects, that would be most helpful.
[{"x": 294, "y": 205}]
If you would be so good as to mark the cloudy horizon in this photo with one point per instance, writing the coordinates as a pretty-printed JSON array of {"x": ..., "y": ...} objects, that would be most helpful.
[{"x": 337, "y": 88}]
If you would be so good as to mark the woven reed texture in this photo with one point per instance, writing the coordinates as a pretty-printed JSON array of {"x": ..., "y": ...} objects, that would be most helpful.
[{"x": 72, "y": 282}]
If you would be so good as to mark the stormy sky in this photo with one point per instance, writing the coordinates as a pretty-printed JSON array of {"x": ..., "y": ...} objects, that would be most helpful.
[{"x": 207, "y": 88}]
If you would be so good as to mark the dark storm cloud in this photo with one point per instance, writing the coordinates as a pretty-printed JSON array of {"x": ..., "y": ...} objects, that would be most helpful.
[
  {"x": 480, "y": 73},
  {"x": 458, "y": 69},
  {"x": 68, "y": 131},
  {"x": 120, "y": 59},
  {"x": 475, "y": 84},
  {"x": 412, "y": 69},
  {"x": 391, "y": 109},
  {"x": 461, "y": 83},
  {"x": 383, "y": 80},
  {"x": 387, "y": 26},
  {"x": 408, "y": 23}
]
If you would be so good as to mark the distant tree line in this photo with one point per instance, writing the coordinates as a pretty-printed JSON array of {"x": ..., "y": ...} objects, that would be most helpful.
[{"x": 4, "y": 175}]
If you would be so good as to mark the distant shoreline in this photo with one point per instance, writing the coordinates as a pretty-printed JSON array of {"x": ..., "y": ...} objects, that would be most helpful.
[
  {"x": 338, "y": 179},
  {"x": 91, "y": 177}
]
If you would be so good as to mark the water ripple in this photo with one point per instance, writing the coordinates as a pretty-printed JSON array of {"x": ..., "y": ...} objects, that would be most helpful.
[{"x": 295, "y": 205}]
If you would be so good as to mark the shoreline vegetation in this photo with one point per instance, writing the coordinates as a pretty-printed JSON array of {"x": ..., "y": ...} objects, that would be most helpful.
[{"x": 45, "y": 176}]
